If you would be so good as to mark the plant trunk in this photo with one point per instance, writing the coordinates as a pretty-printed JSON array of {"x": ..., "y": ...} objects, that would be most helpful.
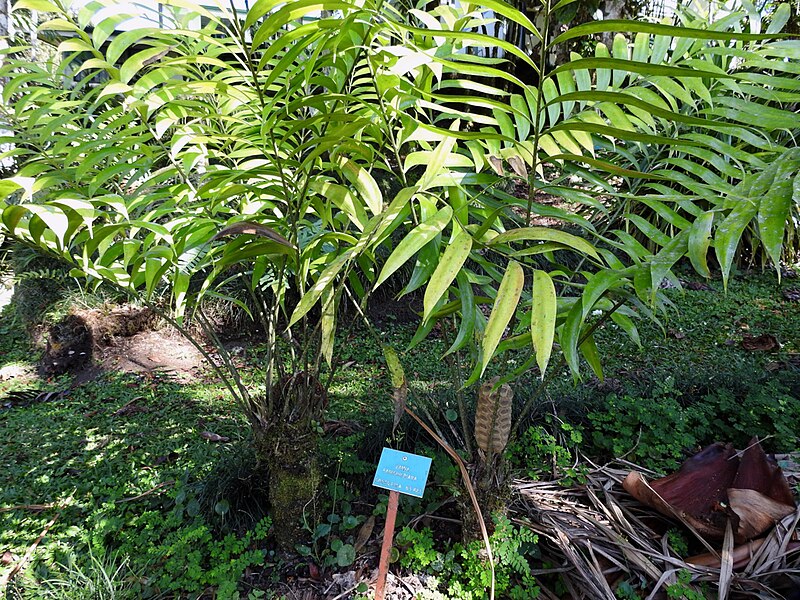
[
  {"x": 289, "y": 453},
  {"x": 493, "y": 497}
]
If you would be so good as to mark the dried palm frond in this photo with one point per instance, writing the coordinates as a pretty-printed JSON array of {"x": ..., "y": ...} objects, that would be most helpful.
[{"x": 597, "y": 537}]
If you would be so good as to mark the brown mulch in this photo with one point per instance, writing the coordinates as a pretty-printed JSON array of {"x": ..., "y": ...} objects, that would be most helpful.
[{"x": 598, "y": 537}]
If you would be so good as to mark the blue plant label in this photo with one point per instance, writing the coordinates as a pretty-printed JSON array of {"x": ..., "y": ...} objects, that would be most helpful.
[{"x": 402, "y": 472}]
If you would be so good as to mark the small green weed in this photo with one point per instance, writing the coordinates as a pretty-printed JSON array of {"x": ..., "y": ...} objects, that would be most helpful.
[
  {"x": 661, "y": 430},
  {"x": 683, "y": 588},
  {"x": 94, "y": 578},
  {"x": 463, "y": 570},
  {"x": 134, "y": 477},
  {"x": 540, "y": 454}
]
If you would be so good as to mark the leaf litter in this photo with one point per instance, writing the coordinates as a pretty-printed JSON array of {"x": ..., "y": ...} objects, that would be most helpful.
[{"x": 598, "y": 537}]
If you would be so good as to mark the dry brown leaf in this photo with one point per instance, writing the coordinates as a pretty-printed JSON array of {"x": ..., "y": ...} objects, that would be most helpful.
[
  {"x": 152, "y": 490},
  {"x": 129, "y": 408},
  {"x": 765, "y": 342},
  {"x": 741, "y": 556},
  {"x": 400, "y": 396},
  {"x": 760, "y": 473},
  {"x": 590, "y": 533},
  {"x": 214, "y": 437},
  {"x": 636, "y": 485},
  {"x": 757, "y": 512},
  {"x": 364, "y": 533},
  {"x": 726, "y": 564},
  {"x": 7, "y": 558},
  {"x": 497, "y": 165},
  {"x": 518, "y": 166},
  {"x": 31, "y": 507},
  {"x": 250, "y": 228},
  {"x": 718, "y": 486}
]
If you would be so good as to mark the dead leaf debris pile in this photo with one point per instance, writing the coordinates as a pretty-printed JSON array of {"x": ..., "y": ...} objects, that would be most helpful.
[{"x": 737, "y": 507}]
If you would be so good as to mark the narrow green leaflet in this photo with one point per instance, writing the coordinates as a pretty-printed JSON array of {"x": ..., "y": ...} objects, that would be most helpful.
[
  {"x": 699, "y": 242},
  {"x": 568, "y": 336},
  {"x": 468, "y": 311},
  {"x": 505, "y": 305},
  {"x": 628, "y": 326},
  {"x": 544, "y": 307},
  {"x": 666, "y": 258},
  {"x": 598, "y": 284},
  {"x": 729, "y": 233},
  {"x": 326, "y": 279},
  {"x": 546, "y": 234},
  {"x": 437, "y": 159},
  {"x": 774, "y": 207},
  {"x": 414, "y": 241},
  {"x": 364, "y": 183},
  {"x": 655, "y": 28},
  {"x": 592, "y": 356}
]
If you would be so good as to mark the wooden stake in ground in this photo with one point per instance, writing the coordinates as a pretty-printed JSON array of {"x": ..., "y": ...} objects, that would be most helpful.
[{"x": 386, "y": 548}]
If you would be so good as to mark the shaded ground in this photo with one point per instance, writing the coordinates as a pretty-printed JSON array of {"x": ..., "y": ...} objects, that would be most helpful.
[{"x": 126, "y": 339}]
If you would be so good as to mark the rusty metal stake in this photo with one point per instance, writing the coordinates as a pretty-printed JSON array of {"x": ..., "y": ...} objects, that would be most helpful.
[{"x": 386, "y": 548}]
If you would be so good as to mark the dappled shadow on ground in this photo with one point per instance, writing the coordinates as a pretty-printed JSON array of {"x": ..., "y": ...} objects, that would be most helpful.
[{"x": 120, "y": 461}]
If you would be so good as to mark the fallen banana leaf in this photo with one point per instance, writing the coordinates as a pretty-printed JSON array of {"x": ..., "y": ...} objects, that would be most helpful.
[{"x": 719, "y": 486}]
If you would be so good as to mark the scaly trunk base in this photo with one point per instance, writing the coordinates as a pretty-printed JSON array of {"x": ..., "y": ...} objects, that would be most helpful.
[
  {"x": 289, "y": 454},
  {"x": 493, "y": 497}
]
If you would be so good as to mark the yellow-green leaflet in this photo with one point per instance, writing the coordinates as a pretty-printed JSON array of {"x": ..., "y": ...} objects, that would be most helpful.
[
  {"x": 395, "y": 366},
  {"x": 545, "y": 234},
  {"x": 699, "y": 242},
  {"x": 328, "y": 323},
  {"x": 449, "y": 265},
  {"x": 543, "y": 318},
  {"x": 504, "y": 306},
  {"x": 364, "y": 183},
  {"x": 312, "y": 295}
]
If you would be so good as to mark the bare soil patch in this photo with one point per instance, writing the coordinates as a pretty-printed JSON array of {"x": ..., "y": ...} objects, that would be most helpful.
[{"x": 162, "y": 349}]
